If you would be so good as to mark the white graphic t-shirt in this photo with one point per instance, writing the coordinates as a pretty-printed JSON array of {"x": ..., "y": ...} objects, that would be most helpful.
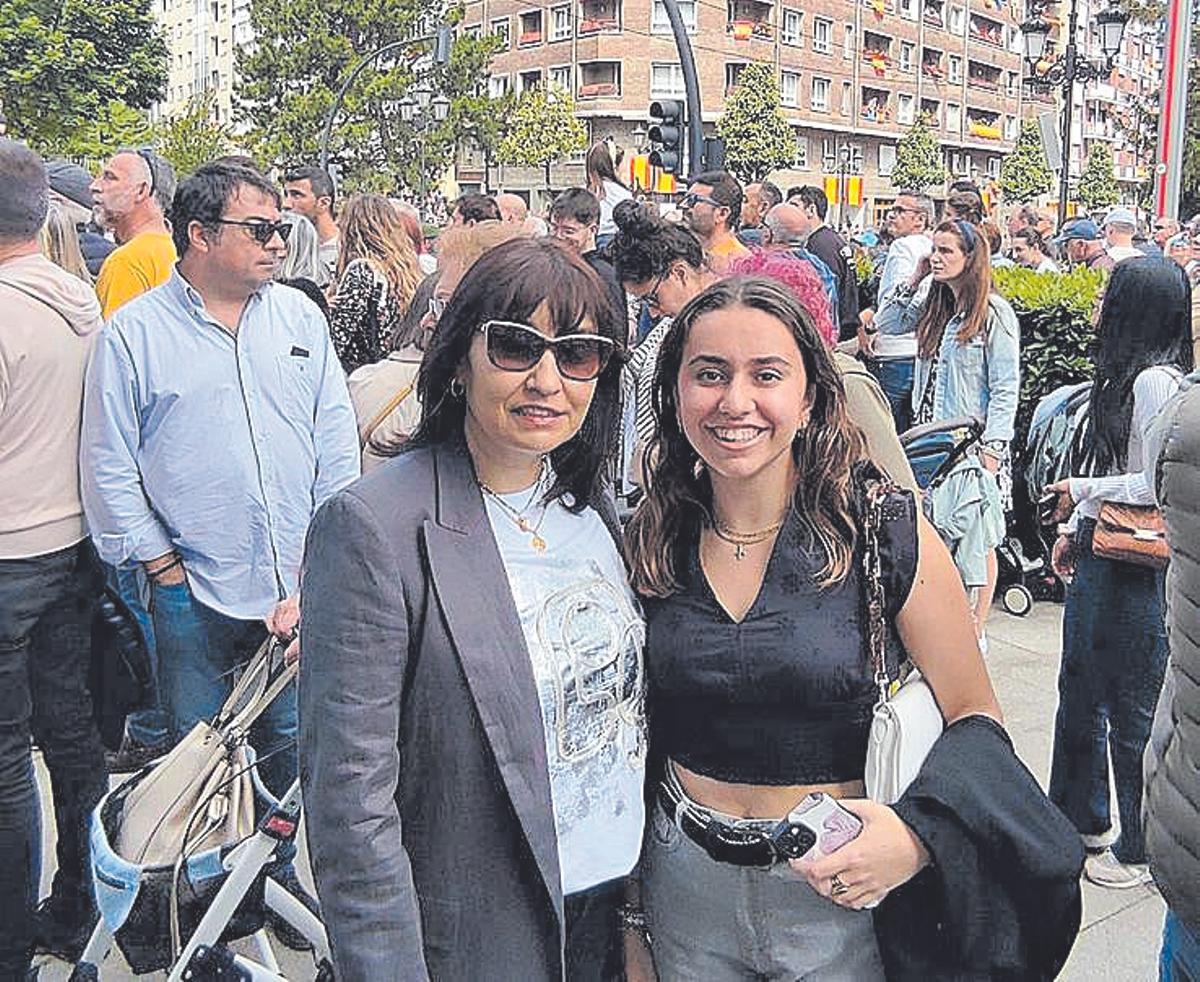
[{"x": 585, "y": 637}]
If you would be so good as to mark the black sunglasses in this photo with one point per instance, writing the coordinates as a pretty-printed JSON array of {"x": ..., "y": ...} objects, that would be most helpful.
[
  {"x": 691, "y": 199},
  {"x": 148, "y": 155},
  {"x": 262, "y": 231},
  {"x": 518, "y": 347}
]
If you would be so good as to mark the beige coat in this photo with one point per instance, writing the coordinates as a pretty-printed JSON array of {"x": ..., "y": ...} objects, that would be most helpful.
[{"x": 386, "y": 404}]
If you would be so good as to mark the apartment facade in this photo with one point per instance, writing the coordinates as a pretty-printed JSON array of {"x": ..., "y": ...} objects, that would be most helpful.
[
  {"x": 851, "y": 73},
  {"x": 202, "y": 38}
]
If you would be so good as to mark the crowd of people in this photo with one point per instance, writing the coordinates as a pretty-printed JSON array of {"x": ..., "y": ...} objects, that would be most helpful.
[{"x": 568, "y": 520}]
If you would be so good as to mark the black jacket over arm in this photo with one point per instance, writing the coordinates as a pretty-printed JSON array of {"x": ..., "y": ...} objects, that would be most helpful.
[{"x": 1001, "y": 899}]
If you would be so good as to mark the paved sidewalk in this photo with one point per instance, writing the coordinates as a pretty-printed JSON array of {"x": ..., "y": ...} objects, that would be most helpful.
[{"x": 1121, "y": 928}]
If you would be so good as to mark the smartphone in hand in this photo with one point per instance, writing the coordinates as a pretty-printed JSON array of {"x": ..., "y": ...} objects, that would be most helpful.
[{"x": 816, "y": 826}]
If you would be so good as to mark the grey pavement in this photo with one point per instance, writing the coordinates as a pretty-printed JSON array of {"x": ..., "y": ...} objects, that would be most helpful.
[{"x": 1119, "y": 941}]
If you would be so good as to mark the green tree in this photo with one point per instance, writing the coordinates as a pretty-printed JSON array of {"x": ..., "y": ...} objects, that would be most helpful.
[
  {"x": 194, "y": 136},
  {"x": 919, "y": 163},
  {"x": 543, "y": 129},
  {"x": 1098, "y": 183},
  {"x": 758, "y": 139},
  {"x": 1024, "y": 173},
  {"x": 304, "y": 49},
  {"x": 63, "y": 65},
  {"x": 114, "y": 125}
]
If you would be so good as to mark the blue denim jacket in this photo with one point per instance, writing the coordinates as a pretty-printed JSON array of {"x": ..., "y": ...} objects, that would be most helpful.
[{"x": 980, "y": 378}]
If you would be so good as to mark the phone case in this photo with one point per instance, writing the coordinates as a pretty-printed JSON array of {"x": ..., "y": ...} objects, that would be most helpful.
[{"x": 832, "y": 824}]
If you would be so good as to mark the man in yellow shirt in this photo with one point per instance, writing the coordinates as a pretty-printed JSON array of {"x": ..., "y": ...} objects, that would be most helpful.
[
  {"x": 711, "y": 209},
  {"x": 132, "y": 195}
]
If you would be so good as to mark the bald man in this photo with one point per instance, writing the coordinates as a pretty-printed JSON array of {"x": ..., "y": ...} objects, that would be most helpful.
[
  {"x": 130, "y": 198},
  {"x": 788, "y": 228},
  {"x": 512, "y": 208}
]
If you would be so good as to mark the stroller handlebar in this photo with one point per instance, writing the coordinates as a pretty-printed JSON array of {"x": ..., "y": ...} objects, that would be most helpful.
[{"x": 974, "y": 423}]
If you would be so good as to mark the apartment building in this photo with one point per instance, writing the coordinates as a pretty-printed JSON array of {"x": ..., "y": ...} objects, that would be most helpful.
[
  {"x": 202, "y": 36},
  {"x": 851, "y": 73}
]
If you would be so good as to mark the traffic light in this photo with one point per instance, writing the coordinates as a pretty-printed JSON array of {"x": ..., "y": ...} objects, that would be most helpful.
[{"x": 666, "y": 134}]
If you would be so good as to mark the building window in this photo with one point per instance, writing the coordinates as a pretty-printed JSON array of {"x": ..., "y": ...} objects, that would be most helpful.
[
  {"x": 666, "y": 81},
  {"x": 906, "y": 109},
  {"x": 498, "y": 86},
  {"x": 599, "y": 80},
  {"x": 958, "y": 20},
  {"x": 502, "y": 29},
  {"x": 954, "y": 118},
  {"x": 829, "y": 154},
  {"x": 801, "y": 162},
  {"x": 847, "y": 98},
  {"x": 822, "y": 35},
  {"x": 887, "y": 159},
  {"x": 908, "y": 9},
  {"x": 908, "y": 55},
  {"x": 1011, "y": 128},
  {"x": 531, "y": 80},
  {"x": 792, "y": 31},
  {"x": 531, "y": 28},
  {"x": 820, "y": 94},
  {"x": 931, "y": 111},
  {"x": 993, "y": 168},
  {"x": 733, "y": 75},
  {"x": 848, "y": 41},
  {"x": 789, "y": 88},
  {"x": 560, "y": 77},
  {"x": 955, "y": 69},
  {"x": 560, "y": 23},
  {"x": 1014, "y": 85},
  {"x": 660, "y": 24}
]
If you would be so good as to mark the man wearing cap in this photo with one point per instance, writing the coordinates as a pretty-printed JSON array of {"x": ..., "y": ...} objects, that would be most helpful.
[
  {"x": 69, "y": 188},
  {"x": 1083, "y": 244},
  {"x": 1119, "y": 226},
  {"x": 131, "y": 195},
  {"x": 711, "y": 209}
]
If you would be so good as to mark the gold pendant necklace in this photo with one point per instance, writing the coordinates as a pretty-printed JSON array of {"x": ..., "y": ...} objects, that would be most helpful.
[
  {"x": 517, "y": 515},
  {"x": 739, "y": 540}
]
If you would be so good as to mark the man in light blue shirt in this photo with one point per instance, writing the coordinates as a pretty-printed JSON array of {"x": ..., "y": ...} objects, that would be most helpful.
[{"x": 216, "y": 420}]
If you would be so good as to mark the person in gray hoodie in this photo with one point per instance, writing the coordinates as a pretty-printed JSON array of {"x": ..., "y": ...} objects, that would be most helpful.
[{"x": 49, "y": 578}]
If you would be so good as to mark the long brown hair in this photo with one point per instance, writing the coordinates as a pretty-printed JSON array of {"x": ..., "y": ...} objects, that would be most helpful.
[
  {"x": 678, "y": 498},
  {"x": 976, "y": 286},
  {"x": 371, "y": 230}
]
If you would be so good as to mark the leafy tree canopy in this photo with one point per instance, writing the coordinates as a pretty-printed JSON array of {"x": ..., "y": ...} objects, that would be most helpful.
[
  {"x": 758, "y": 139},
  {"x": 63, "y": 66},
  {"x": 919, "y": 163},
  {"x": 304, "y": 49},
  {"x": 544, "y": 129},
  {"x": 1024, "y": 173},
  {"x": 194, "y": 136},
  {"x": 1098, "y": 184}
]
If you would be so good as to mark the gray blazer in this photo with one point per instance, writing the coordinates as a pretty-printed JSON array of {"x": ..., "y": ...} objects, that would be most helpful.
[{"x": 422, "y": 752}]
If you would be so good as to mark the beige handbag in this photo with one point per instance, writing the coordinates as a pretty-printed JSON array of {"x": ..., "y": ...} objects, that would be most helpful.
[{"x": 201, "y": 795}]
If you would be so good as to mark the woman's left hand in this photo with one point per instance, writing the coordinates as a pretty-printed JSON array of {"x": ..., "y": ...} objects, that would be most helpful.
[
  {"x": 1065, "y": 504},
  {"x": 883, "y": 856}
]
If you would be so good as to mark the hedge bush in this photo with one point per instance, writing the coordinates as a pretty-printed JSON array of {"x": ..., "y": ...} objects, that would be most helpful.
[{"x": 1055, "y": 313}]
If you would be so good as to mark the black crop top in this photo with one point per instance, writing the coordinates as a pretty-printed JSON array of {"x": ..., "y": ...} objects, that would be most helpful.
[{"x": 785, "y": 696}]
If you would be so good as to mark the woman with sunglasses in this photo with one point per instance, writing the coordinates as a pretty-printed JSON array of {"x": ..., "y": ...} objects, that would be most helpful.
[
  {"x": 1114, "y": 651},
  {"x": 968, "y": 364},
  {"x": 377, "y": 273},
  {"x": 471, "y": 722},
  {"x": 746, "y": 551}
]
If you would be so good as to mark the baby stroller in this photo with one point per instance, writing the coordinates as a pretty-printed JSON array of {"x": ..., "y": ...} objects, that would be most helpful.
[{"x": 181, "y": 868}]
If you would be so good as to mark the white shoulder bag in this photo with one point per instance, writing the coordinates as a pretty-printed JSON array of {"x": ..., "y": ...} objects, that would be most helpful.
[{"x": 906, "y": 722}]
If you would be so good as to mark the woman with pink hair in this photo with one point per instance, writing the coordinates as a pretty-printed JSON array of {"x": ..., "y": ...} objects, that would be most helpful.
[{"x": 801, "y": 280}]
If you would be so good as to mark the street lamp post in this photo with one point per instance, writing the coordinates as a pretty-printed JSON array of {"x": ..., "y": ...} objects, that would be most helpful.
[
  {"x": 1070, "y": 68},
  {"x": 422, "y": 110},
  {"x": 844, "y": 155}
]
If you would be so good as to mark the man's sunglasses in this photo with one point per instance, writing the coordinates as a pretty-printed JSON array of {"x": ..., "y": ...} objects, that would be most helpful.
[
  {"x": 261, "y": 231},
  {"x": 691, "y": 199},
  {"x": 148, "y": 156},
  {"x": 518, "y": 347}
]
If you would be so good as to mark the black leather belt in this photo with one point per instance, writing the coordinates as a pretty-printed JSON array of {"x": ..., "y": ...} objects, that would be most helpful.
[{"x": 723, "y": 842}]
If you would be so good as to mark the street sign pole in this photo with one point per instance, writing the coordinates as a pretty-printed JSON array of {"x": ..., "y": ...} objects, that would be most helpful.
[{"x": 1168, "y": 166}]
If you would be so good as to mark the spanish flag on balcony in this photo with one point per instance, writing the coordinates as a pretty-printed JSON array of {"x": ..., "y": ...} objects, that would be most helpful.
[
  {"x": 879, "y": 6},
  {"x": 854, "y": 190},
  {"x": 878, "y": 62},
  {"x": 742, "y": 30}
]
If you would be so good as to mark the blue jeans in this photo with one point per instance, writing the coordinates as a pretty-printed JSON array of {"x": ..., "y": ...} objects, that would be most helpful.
[
  {"x": 199, "y": 650},
  {"x": 1180, "y": 959},
  {"x": 46, "y": 605},
  {"x": 1113, "y": 661},
  {"x": 148, "y": 727},
  {"x": 895, "y": 377}
]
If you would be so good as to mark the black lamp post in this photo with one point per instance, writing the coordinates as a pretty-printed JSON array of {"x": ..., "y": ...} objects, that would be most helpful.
[
  {"x": 422, "y": 110},
  {"x": 845, "y": 154},
  {"x": 1070, "y": 68}
]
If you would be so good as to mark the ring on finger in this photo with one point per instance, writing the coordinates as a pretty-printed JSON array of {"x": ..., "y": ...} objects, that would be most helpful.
[{"x": 836, "y": 886}]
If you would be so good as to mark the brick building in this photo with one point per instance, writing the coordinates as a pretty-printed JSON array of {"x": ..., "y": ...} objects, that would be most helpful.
[{"x": 854, "y": 72}]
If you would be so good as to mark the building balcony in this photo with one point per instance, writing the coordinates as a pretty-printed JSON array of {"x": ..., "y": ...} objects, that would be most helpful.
[
  {"x": 750, "y": 30},
  {"x": 878, "y": 61},
  {"x": 599, "y": 90},
  {"x": 876, "y": 106},
  {"x": 933, "y": 14},
  {"x": 984, "y": 125},
  {"x": 598, "y": 16},
  {"x": 986, "y": 30}
]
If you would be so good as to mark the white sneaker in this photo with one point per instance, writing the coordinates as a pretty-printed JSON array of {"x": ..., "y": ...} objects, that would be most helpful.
[{"x": 1105, "y": 870}]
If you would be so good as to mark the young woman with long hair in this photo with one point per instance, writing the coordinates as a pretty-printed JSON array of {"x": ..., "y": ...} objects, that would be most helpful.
[
  {"x": 59, "y": 242},
  {"x": 968, "y": 364},
  {"x": 746, "y": 552},
  {"x": 377, "y": 274},
  {"x": 609, "y": 189},
  {"x": 1114, "y": 639}
]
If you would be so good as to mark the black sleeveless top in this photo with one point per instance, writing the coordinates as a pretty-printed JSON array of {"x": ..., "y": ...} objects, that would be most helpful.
[{"x": 785, "y": 696}]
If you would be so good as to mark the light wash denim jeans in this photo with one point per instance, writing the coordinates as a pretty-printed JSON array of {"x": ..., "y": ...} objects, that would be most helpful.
[{"x": 715, "y": 922}]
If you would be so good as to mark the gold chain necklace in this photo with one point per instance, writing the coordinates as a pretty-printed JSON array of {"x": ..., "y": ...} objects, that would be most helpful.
[
  {"x": 517, "y": 515},
  {"x": 739, "y": 540}
]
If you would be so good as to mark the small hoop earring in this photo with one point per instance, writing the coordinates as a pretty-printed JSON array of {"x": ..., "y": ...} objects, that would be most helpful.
[{"x": 457, "y": 389}]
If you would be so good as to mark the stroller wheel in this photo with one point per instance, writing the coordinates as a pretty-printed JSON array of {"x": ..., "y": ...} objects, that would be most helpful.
[{"x": 1017, "y": 599}]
